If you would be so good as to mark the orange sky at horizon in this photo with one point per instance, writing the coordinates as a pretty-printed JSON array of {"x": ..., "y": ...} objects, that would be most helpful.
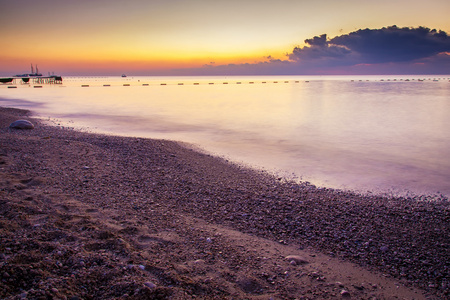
[{"x": 138, "y": 35}]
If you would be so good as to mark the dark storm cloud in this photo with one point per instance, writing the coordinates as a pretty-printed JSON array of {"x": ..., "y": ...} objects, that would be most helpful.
[
  {"x": 317, "y": 41},
  {"x": 394, "y": 44},
  {"x": 318, "y": 48},
  {"x": 388, "y": 44},
  {"x": 390, "y": 49}
]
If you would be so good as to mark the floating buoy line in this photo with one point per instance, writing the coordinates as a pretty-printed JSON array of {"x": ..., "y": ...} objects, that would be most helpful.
[{"x": 390, "y": 80}]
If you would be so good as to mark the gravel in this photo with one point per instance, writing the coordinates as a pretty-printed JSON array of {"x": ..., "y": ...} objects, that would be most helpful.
[{"x": 405, "y": 238}]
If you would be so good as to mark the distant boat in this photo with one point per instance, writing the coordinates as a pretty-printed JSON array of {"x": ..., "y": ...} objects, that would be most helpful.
[{"x": 123, "y": 75}]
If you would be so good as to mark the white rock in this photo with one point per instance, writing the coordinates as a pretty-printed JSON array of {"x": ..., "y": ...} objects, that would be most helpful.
[
  {"x": 296, "y": 259},
  {"x": 22, "y": 124}
]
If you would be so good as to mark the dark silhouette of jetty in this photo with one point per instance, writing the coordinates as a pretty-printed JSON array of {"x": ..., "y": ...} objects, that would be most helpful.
[{"x": 34, "y": 77}]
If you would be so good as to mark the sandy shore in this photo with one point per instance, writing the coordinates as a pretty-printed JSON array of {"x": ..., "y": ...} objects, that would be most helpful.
[{"x": 86, "y": 216}]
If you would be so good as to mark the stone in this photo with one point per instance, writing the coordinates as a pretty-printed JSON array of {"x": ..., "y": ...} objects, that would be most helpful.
[
  {"x": 150, "y": 285},
  {"x": 384, "y": 248},
  {"x": 298, "y": 260},
  {"x": 21, "y": 124},
  {"x": 345, "y": 293}
]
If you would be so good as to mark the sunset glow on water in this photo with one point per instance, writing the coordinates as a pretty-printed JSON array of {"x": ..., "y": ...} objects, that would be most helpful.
[
  {"x": 293, "y": 87},
  {"x": 369, "y": 133}
]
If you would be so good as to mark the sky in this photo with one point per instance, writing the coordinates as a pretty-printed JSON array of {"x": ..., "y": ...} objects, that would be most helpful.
[{"x": 208, "y": 37}]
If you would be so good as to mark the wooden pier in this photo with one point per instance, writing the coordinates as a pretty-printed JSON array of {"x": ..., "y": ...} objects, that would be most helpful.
[{"x": 34, "y": 79}]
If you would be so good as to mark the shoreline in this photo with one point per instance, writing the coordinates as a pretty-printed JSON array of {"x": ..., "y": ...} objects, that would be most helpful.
[
  {"x": 363, "y": 159},
  {"x": 131, "y": 217}
]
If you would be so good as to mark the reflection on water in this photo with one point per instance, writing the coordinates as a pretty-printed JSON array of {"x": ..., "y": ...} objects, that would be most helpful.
[{"x": 368, "y": 135}]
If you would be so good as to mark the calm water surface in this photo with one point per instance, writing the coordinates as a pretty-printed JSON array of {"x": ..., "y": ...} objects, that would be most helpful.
[{"x": 364, "y": 133}]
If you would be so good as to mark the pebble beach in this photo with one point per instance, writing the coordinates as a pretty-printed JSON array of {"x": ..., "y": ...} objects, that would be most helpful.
[{"x": 90, "y": 216}]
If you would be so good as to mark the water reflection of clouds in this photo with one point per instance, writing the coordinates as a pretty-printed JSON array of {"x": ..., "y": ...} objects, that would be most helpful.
[
  {"x": 20, "y": 103},
  {"x": 336, "y": 132},
  {"x": 128, "y": 123}
]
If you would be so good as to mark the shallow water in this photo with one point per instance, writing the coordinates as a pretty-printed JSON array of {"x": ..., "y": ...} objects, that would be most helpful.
[{"x": 338, "y": 131}]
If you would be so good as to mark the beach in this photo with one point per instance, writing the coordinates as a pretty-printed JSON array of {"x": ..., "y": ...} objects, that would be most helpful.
[
  {"x": 90, "y": 216},
  {"x": 366, "y": 133}
]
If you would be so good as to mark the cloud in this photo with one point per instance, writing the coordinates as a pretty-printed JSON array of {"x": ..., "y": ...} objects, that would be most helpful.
[
  {"x": 273, "y": 66},
  {"x": 318, "y": 48},
  {"x": 394, "y": 44},
  {"x": 389, "y": 49},
  {"x": 373, "y": 46}
]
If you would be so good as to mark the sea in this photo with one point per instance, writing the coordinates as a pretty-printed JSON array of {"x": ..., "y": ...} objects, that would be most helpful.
[{"x": 369, "y": 134}]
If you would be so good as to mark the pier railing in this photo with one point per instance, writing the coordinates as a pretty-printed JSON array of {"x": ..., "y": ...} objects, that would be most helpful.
[{"x": 24, "y": 80}]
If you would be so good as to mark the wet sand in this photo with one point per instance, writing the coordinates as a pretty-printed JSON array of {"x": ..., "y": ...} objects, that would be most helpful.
[{"x": 88, "y": 216}]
